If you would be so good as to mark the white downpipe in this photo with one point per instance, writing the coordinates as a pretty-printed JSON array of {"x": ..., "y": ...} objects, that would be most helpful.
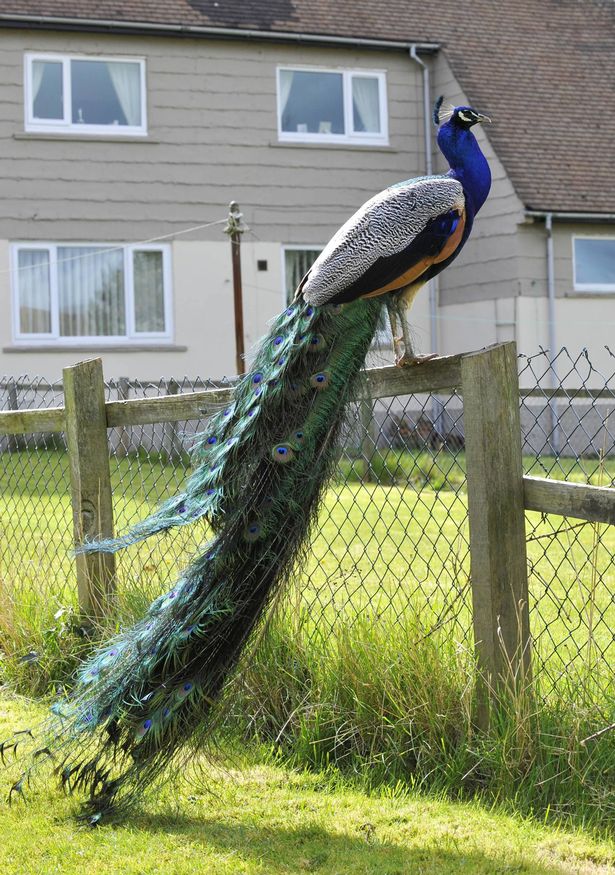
[
  {"x": 436, "y": 407},
  {"x": 551, "y": 332},
  {"x": 432, "y": 285}
]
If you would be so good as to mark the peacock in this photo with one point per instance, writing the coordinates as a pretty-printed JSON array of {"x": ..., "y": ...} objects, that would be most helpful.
[{"x": 148, "y": 699}]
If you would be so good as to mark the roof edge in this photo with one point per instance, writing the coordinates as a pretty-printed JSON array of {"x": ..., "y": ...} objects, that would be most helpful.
[
  {"x": 188, "y": 30},
  {"x": 567, "y": 215}
]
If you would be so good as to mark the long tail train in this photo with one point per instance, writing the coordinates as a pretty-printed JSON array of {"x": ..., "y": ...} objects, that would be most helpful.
[{"x": 150, "y": 693}]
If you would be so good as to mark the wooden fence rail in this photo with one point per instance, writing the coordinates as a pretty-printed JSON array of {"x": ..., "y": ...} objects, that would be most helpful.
[{"x": 498, "y": 493}]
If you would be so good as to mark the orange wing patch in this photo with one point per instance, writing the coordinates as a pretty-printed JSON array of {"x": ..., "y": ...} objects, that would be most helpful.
[{"x": 418, "y": 269}]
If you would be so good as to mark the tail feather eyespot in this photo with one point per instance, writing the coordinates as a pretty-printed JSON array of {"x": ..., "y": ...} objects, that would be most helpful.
[
  {"x": 320, "y": 381},
  {"x": 317, "y": 343},
  {"x": 143, "y": 728},
  {"x": 283, "y": 454},
  {"x": 253, "y": 531},
  {"x": 184, "y": 690}
]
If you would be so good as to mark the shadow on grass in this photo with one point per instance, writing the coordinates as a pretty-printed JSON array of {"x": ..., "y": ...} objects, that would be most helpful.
[{"x": 284, "y": 849}]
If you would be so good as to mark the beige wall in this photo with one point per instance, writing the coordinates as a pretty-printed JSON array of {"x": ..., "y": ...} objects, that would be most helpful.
[
  {"x": 212, "y": 138},
  {"x": 204, "y": 338},
  {"x": 582, "y": 320},
  {"x": 212, "y": 116}
]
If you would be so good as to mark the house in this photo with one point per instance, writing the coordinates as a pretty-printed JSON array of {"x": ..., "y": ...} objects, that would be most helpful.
[{"x": 128, "y": 128}]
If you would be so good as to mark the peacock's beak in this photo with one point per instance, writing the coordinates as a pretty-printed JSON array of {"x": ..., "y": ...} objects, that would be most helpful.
[{"x": 483, "y": 118}]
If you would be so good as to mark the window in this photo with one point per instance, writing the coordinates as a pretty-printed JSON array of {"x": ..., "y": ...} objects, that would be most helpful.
[
  {"x": 297, "y": 261},
  {"x": 594, "y": 264},
  {"x": 80, "y": 95},
  {"x": 78, "y": 292},
  {"x": 332, "y": 106}
]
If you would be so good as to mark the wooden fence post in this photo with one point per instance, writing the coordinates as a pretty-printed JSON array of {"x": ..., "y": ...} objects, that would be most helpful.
[
  {"x": 124, "y": 431},
  {"x": 369, "y": 438},
  {"x": 490, "y": 387},
  {"x": 86, "y": 436},
  {"x": 15, "y": 442},
  {"x": 171, "y": 444}
]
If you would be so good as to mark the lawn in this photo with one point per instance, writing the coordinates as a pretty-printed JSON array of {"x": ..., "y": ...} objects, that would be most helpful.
[
  {"x": 264, "y": 819},
  {"x": 378, "y": 548},
  {"x": 370, "y": 668}
]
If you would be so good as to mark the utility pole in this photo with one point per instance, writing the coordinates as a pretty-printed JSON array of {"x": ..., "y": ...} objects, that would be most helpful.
[{"x": 235, "y": 228}]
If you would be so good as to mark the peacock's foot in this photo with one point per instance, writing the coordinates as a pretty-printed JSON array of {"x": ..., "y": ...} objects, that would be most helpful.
[{"x": 407, "y": 359}]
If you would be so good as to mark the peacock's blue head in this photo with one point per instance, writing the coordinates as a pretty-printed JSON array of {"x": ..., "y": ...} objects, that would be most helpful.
[
  {"x": 459, "y": 147},
  {"x": 463, "y": 117}
]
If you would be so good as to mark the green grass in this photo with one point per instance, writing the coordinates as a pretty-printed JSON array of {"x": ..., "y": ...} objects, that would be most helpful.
[
  {"x": 369, "y": 669},
  {"x": 394, "y": 702},
  {"x": 378, "y": 547},
  {"x": 264, "y": 819}
]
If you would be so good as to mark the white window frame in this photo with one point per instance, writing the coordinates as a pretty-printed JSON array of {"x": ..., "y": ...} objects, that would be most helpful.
[
  {"x": 596, "y": 288},
  {"x": 54, "y": 338},
  {"x": 67, "y": 126},
  {"x": 351, "y": 137}
]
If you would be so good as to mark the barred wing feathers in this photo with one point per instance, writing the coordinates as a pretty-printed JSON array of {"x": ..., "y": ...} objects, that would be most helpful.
[{"x": 400, "y": 232}]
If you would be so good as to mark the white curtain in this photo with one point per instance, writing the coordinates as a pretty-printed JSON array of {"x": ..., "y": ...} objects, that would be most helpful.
[
  {"x": 297, "y": 264},
  {"x": 286, "y": 83},
  {"x": 91, "y": 292},
  {"x": 38, "y": 70},
  {"x": 366, "y": 104},
  {"x": 126, "y": 78},
  {"x": 148, "y": 291},
  {"x": 34, "y": 291}
]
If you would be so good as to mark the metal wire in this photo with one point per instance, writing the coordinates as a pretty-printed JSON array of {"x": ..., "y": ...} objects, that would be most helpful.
[{"x": 393, "y": 531}]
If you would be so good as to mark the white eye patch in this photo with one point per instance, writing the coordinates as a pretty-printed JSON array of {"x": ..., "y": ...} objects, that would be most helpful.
[{"x": 465, "y": 117}]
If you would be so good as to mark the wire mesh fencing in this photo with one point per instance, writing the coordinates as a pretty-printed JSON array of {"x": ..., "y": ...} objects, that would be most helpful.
[
  {"x": 568, "y": 423},
  {"x": 392, "y": 536},
  {"x": 35, "y": 507}
]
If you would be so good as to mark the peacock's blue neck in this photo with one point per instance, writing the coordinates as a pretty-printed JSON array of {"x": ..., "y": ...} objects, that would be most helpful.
[{"x": 467, "y": 163}]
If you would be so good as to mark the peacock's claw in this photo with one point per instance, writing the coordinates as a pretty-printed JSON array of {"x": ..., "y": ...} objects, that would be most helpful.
[{"x": 407, "y": 360}]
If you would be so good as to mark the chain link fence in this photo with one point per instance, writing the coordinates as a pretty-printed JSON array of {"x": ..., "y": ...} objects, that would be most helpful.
[{"x": 393, "y": 532}]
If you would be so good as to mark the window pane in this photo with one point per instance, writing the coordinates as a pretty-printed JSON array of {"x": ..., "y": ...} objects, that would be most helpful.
[
  {"x": 91, "y": 292},
  {"x": 47, "y": 98},
  {"x": 297, "y": 262},
  {"x": 34, "y": 291},
  {"x": 365, "y": 105},
  {"x": 148, "y": 291},
  {"x": 594, "y": 261},
  {"x": 106, "y": 92},
  {"x": 312, "y": 102}
]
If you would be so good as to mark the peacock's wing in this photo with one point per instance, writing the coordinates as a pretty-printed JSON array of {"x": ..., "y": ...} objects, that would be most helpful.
[{"x": 394, "y": 239}]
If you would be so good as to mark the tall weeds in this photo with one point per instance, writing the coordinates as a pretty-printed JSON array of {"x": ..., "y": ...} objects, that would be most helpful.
[
  {"x": 388, "y": 700},
  {"x": 392, "y": 703}
]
